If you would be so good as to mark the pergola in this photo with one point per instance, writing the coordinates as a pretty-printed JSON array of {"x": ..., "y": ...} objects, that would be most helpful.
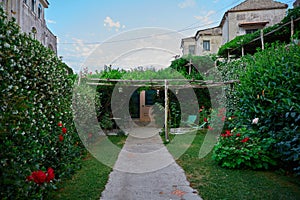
[{"x": 158, "y": 84}]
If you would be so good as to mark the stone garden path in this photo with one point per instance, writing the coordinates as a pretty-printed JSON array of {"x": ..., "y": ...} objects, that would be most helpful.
[{"x": 145, "y": 170}]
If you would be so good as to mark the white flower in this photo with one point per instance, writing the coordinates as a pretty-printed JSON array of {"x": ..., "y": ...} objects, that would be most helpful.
[
  {"x": 255, "y": 120},
  {"x": 6, "y": 45}
]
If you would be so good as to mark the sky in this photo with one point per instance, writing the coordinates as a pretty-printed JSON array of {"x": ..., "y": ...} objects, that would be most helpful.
[{"x": 117, "y": 32}]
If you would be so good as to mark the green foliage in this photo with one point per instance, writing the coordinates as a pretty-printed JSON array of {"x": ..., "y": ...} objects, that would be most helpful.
[
  {"x": 177, "y": 70},
  {"x": 269, "y": 90},
  {"x": 89, "y": 181},
  {"x": 240, "y": 148},
  {"x": 35, "y": 96},
  {"x": 214, "y": 182}
]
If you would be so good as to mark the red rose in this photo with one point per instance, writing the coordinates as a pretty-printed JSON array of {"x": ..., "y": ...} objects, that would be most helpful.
[
  {"x": 245, "y": 139},
  {"x": 238, "y": 135},
  {"x": 50, "y": 175},
  {"x": 29, "y": 178},
  {"x": 60, "y": 124},
  {"x": 205, "y": 119},
  {"x": 64, "y": 130},
  {"x": 39, "y": 177},
  {"x": 61, "y": 138}
]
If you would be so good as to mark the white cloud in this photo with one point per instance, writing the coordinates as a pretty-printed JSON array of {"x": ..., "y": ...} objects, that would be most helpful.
[
  {"x": 75, "y": 54},
  {"x": 205, "y": 18},
  {"x": 51, "y": 21},
  {"x": 108, "y": 22},
  {"x": 187, "y": 3}
]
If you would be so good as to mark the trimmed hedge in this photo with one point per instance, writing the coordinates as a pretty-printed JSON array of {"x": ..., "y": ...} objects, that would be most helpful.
[{"x": 36, "y": 130}]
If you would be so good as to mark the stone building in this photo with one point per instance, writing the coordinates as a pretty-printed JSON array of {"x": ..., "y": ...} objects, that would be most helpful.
[
  {"x": 250, "y": 16},
  {"x": 30, "y": 16},
  {"x": 188, "y": 46},
  {"x": 208, "y": 41},
  {"x": 247, "y": 17}
]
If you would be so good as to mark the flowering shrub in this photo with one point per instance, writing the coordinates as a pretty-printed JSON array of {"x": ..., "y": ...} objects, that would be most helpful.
[
  {"x": 35, "y": 95},
  {"x": 239, "y": 148},
  {"x": 267, "y": 99}
]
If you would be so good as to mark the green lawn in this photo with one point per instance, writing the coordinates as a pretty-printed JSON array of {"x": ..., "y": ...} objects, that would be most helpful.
[
  {"x": 214, "y": 182},
  {"x": 89, "y": 181}
]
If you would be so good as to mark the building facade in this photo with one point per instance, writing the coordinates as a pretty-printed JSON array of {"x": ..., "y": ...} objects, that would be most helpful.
[
  {"x": 247, "y": 17},
  {"x": 30, "y": 16},
  {"x": 208, "y": 41},
  {"x": 188, "y": 46},
  {"x": 250, "y": 16}
]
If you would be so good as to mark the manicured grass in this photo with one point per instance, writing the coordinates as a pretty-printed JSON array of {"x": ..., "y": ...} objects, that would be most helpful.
[
  {"x": 214, "y": 182},
  {"x": 89, "y": 181}
]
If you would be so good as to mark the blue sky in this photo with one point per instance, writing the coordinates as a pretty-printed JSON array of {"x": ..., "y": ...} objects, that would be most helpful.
[{"x": 81, "y": 25}]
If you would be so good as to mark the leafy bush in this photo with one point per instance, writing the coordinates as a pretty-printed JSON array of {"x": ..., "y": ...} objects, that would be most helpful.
[
  {"x": 240, "y": 148},
  {"x": 36, "y": 127},
  {"x": 269, "y": 90}
]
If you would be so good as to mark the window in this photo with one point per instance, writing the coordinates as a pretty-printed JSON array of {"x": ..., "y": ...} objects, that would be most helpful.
[
  {"x": 32, "y": 5},
  {"x": 192, "y": 49},
  {"x": 206, "y": 45},
  {"x": 40, "y": 11},
  {"x": 249, "y": 31}
]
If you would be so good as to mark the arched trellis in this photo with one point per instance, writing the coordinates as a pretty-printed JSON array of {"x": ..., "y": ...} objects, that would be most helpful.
[{"x": 158, "y": 84}]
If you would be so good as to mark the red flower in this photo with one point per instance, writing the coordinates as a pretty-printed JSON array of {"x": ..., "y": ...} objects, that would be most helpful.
[
  {"x": 29, "y": 178},
  {"x": 227, "y": 134},
  {"x": 245, "y": 139},
  {"x": 50, "y": 175},
  {"x": 64, "y": 129},
  {"x": 39, "y": 177},
  {"x": 238, "y": 135},
  {"x": 60, "y": 124},
  {"x": 61, "y": 137},
  {"x": 210, "y": 128},
  {"x": 205, "y": 119},
  {"x": 200, "y": 110}
]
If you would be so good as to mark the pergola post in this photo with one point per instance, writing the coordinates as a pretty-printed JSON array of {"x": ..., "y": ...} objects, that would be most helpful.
[
  {"x": 292, "y": 27},
  {"x": 166, "y": 112},
  {"x": 243, "y": 51},
  {"x": 262, "y": 39}
]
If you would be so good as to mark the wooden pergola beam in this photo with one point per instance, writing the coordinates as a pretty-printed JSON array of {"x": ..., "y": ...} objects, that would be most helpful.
[{"x": 170, "y": 85}]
